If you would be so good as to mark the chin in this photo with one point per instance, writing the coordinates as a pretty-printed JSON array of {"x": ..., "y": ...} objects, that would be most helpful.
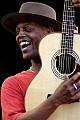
[{"x": 26, "y": 57}]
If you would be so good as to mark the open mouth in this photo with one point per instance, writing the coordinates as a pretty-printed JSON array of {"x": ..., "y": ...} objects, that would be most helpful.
[{"x": 24, "y": 44}]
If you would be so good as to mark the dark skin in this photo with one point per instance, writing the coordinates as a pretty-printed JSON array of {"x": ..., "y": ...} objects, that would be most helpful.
[
  {"x": 32, "y": 33},
  {"x": 76, "y": 3}
]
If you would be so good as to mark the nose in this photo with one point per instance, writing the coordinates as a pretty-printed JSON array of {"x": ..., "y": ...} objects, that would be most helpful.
[{"x": 21, "y": 34}]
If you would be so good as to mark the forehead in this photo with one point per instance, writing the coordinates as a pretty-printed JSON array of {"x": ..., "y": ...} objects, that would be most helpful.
[{"x": 23, "y": 24}]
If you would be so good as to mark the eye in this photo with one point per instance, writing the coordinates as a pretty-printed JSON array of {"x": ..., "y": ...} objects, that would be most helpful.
[
  {"x": 28, "y": 28},
  {"x": 25, "y": 28},
  {"x": 17, "y": 31}
]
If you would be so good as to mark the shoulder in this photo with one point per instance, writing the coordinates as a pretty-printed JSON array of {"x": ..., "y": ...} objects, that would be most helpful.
[
  {"x": 11, "y": 80},
  {"x": 18, "y": 79}
]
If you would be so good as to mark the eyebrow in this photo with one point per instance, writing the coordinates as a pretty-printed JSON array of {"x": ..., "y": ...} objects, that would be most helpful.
[{"x": 26, "y": 24}]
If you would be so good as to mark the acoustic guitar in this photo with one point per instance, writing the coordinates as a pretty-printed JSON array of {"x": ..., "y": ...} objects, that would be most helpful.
[{"x": 60, "y": 53}]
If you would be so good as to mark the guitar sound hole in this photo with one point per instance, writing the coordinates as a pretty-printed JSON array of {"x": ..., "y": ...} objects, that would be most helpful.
[{"x": 65, "y": 63}]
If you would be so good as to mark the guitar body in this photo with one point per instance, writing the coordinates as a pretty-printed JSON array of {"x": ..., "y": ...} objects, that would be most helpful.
[{"x": 49, "y": 78}]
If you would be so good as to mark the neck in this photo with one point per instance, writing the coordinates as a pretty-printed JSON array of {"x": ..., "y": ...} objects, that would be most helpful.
[{"x": 36, "y": 65}]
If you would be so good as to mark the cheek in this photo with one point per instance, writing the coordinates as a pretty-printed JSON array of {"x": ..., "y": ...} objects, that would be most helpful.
[
  {"x": 42, "y": 35},
  {"x": 36, "y": 38},
  {"x": 35, "y": 47},
  {"x": 17, "y": 38}
]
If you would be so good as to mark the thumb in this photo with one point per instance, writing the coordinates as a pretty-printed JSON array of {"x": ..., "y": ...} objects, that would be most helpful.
[{"x": 66, "y": 77}]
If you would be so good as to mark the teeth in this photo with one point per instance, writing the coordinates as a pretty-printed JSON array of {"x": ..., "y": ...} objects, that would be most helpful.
[{"x": 23, "y": 43}]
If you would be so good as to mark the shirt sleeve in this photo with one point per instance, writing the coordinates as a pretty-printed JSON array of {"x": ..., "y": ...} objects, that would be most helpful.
[{"x": 12, "y": 101}]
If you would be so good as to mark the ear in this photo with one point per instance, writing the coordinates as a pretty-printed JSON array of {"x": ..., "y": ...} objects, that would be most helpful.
[
  {"x": 50, "y": 30},
  {"x": 75, "y": 29}
]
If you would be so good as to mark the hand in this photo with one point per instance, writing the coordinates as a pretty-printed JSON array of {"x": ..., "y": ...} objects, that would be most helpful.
[
  {"x": 76, "y": 3},
  {"x": 66, "y": 92}
]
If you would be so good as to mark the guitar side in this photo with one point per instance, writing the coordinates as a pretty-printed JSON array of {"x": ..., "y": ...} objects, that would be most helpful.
[{"x": 46, "y": 81}]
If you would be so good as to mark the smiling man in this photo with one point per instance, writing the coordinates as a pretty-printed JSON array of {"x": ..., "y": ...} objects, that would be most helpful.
[{"x": 33, "y": 22}]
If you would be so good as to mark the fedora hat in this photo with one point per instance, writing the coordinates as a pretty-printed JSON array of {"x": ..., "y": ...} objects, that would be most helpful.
[{"x": 32, "y": 12}]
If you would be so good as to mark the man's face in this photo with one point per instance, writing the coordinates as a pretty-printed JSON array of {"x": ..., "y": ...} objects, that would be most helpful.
[{"x": 28, "y": 37}]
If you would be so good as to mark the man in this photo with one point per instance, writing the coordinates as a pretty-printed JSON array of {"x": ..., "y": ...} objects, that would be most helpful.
[{"x": 33, "y": 22}]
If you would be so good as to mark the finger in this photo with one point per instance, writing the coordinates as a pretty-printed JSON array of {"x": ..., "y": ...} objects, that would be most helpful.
[
  {"x": 74, "y": 78},
  {"x": 75, "y": 1},
  {"x": 76, "y": 5},
  {"x": 77, "y": 84},
  {"x": 76, "y": 97},
  {"x": 76, "y": 91}
]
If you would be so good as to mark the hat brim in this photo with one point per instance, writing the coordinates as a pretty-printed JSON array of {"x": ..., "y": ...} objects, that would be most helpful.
[{"x": 10, "y": 21}]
